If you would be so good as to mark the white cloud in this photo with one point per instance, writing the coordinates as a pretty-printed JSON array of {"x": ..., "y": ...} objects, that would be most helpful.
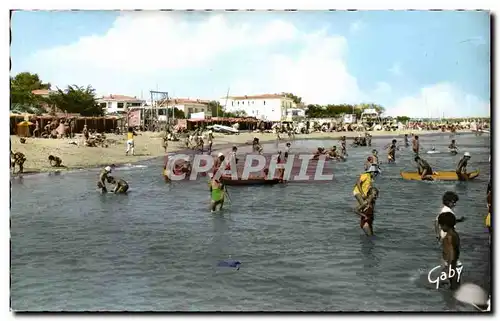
[
  {"x": 436, "y": 100},
  {"x": 142, "y": 49},
  {"x": 396, "y": 69},
  {"x": 356, "y": 26},
  {"x": 201, "y": 57}
]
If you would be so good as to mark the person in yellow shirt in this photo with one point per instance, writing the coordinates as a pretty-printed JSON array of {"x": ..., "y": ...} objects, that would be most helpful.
[
  {"x": 489, "y": 197},
  {"x": 363, "y": 185},
  {"x": 130, "y": 140}
]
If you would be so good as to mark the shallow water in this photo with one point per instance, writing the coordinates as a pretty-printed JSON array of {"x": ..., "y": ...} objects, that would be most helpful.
[{"x": 157, "y": 248}]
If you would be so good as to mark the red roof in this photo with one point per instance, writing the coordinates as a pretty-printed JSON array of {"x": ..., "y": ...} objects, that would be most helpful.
[
  {"x": 263, "y": 96},
  {"x": 120, "y": 98},
  {"x": 40, "y": 92}
]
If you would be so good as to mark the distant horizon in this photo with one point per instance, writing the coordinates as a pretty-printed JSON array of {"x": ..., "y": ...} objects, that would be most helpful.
[{"x": 413, "y": 63}]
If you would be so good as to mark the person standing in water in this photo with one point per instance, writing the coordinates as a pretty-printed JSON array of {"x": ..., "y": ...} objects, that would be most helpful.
[
  {"x": 363, "y": 185},
  {"x": 103, "y": 177},
  {"x": 453, "y": 147},
  {"x": 367, "y": 213},
  {"x": 391, "y": 154},
  {"x": 451, "y": 246},
  {"x": 489, "y": 197},
  {"x": 343, "y": 146},
  {"x": 462, "y": 167},
  {"x": 416, "y": 145},
  {"x": 217, "y": 194},
  {"x": 287, "y": 150},
  {"x": 130, "y": 141},
  {"x": 407, "y": 143},
  {"x": 449, "y": 200}
]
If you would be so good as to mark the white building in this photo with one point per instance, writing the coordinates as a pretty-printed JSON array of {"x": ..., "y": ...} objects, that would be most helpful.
[
  {"x": 118, "y": 103},
  {"x": 188, "y": 106},
  {"x": 269, "y": 107}
]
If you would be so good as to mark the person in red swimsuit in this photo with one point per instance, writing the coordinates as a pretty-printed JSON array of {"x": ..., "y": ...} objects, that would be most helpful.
[{"x": 367, "y": 214}]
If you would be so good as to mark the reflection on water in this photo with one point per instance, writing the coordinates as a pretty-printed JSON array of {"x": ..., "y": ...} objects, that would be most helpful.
[{"x": 300, "y": 245}]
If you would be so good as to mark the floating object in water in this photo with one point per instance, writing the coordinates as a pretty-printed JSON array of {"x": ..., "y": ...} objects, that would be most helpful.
[
  {"x": 229, "y": 263},
  {"x": 474, "y": 295},
  {"x": 438, "y": 176},
  {"x": 433, "y": 152}
]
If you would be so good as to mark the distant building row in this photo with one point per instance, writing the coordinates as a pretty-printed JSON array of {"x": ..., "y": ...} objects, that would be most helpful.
[{"x": 269, "y": 107}]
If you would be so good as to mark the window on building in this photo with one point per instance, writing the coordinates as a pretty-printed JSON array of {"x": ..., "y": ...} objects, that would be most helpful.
[
  {"x": 110, "y": 105},
  {"x": 282, "y": 103},
  {"x": 243, "y": 102},
  {"x": 264, "y": 102},
  {"x": 196, "y": 110},
  {"x": 190, "y": 110},
  {"x": 120, "y": 105},
  {"x": 253, "y": 102},
  {"x": 232, "y": 103}
]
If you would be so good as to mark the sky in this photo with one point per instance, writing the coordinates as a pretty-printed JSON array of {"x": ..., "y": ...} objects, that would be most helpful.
[{"x": 414, "y": 63}]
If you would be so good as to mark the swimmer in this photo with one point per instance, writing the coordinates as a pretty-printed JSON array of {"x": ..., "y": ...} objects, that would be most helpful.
[
  {"x": 453, "y": 147},
  {"x": 121, "y": 186},
  {"x": 416, "y": 145},
  {"x": 375, "y": 157},
  {"x": 55, "y": 161},
  {"x": 18, "y": 159},
  {"x": 489, "y": 197},
  {"x": 407, "y": 143},
  {"x": 462, "y": 167},
  {"x": 320, "y": 151},
  {"x": 332, "y": 153},
  {"x": 217, "y": 190},
  {"x": 367, "y": 213},
  {"x": 256, "y": 145},
  {"x": 103, "y": 176},
  {"x": 449, "y": 200},
  {"x": 391, "y": 154},
  {"x": 424, "y": 169},
  {"x": 451, "y": 245},
  {"x": 343, "y": 147},
  {"x": 368, "y": 162},
  {"x": 363, "y": 185}
]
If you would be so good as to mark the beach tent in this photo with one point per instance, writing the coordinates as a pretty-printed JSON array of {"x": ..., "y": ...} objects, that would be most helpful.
[{"x": 23, "y": 129}]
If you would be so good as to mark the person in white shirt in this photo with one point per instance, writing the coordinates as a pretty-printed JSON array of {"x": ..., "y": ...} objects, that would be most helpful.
[{"x": 450, "y": 199}]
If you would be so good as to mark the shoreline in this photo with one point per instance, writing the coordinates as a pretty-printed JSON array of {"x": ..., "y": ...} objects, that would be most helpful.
[{"x": 221, "y": 142}]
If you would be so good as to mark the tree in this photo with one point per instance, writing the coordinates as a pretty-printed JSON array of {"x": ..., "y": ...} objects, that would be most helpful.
[
  {"x": 179, "y": 114},
  {"x": 296, "y": 99},
  {"x": 240, "y": 113},
  {"x": 21, "y": 87},
  {"x": 78, "y": 100},
  {"x": 402, "y": 119}
]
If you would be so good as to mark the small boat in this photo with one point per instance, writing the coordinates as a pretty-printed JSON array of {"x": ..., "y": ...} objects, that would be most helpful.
[
  {"x": 248, "y": 182},
  {"x": 224, "y": 129},
  {"x": 438, "y": 176}
]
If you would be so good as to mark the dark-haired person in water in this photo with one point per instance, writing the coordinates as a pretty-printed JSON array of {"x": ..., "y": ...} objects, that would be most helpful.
[
  {"x": 416, "y": 145},
  {"x": 391, "y": 153},
  {"x": 407, "y": 143},
  {"x": 121, "y": 186},
  {"x": 453, "y": 147},
  {"x": 449, "y": 200},
  {"x": 451, "y": 246},
  {"x": 424, "y": 169}
]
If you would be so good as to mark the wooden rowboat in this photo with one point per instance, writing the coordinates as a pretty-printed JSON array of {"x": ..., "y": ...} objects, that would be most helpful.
[
  {"x": 438, "y": 176},
  {"x": 248, "y": 182}
]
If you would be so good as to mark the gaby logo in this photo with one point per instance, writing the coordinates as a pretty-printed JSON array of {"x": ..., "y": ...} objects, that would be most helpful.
[{"x": 300, "y": 167}]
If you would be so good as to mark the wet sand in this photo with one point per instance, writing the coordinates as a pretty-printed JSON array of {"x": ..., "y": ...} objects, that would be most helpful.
[{"x": 147, "y": 145}]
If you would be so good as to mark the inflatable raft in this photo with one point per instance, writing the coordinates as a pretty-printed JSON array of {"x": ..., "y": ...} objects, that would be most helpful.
[
  {"x": 438, "y": 176},
  {"x": 248, "y": 182}
]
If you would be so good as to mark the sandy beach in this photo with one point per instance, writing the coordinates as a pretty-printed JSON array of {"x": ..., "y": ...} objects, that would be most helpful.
[{"x": 147, "y": 145}]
